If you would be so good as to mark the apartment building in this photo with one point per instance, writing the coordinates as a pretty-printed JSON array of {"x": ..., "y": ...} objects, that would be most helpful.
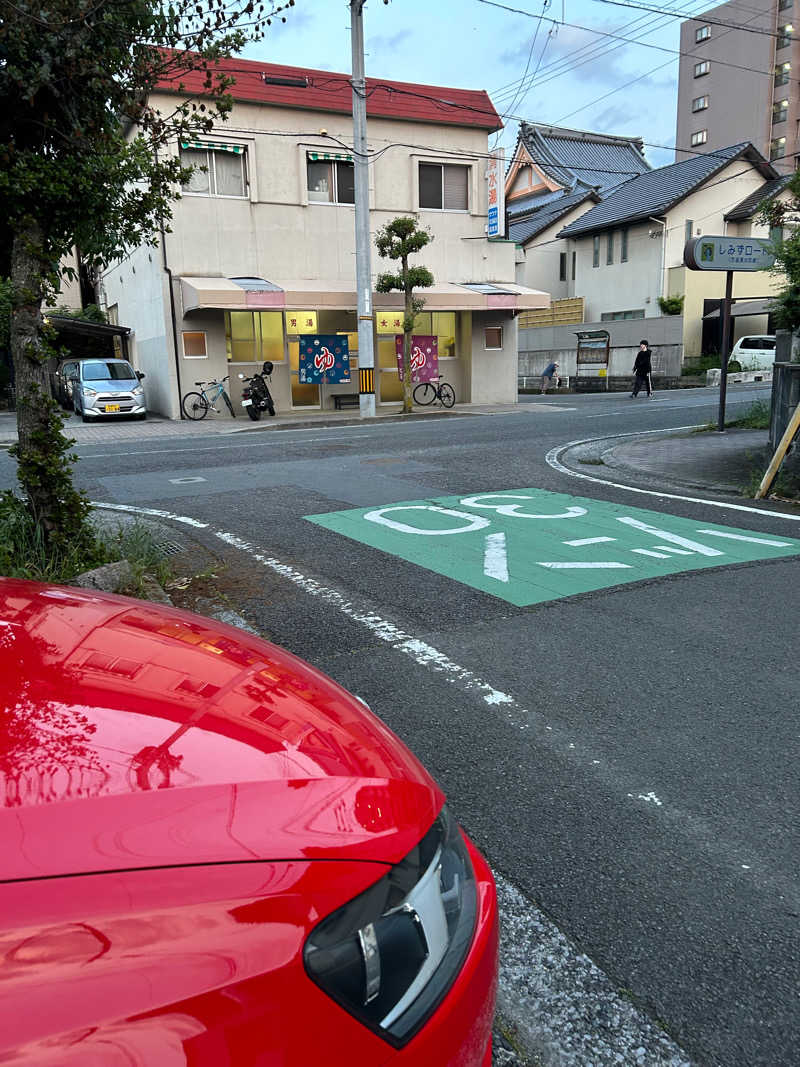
[
  {"x": 738, "y": 80},
  {"x": 261, "y": 247}
]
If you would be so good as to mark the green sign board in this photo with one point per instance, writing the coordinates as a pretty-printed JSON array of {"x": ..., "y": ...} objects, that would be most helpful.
[
  {"x": 527, "y": 546},
  {"x": 728, "y": 253}
]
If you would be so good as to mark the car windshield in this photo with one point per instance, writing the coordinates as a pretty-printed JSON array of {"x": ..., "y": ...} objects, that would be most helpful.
[
  {"x": 110, "y": 371},
  {"x": 758, "y": 342}
]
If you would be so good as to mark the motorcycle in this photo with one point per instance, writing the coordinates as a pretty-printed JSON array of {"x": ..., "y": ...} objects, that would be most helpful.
[{"x": 256, "y": 396}]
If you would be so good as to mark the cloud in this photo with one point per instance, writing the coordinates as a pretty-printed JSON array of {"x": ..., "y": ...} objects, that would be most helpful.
[{"x": 388, "y": 42}]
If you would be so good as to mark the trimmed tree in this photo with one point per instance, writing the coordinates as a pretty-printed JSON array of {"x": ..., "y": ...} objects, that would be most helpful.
[
  {"x": 777, "y": 213},
  {"x": 86, "y": 163},
  {"x": 397, "y": 240}
]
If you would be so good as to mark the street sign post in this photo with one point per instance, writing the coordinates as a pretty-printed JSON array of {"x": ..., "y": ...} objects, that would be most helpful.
[{"x": 729, "y": 254}]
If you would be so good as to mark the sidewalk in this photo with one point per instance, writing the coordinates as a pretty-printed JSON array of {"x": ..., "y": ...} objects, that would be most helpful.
[
  {"x": 158, "y": 426},
  {"x": 721, "y": 462}
]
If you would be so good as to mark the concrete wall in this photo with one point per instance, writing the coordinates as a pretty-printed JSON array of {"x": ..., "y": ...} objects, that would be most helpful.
[
  {"x": 740, "y": 96},
  {"x": 541, "y": 266},
  {"x": 277, "y": 233},
  {"x": 630, "y": 286},
  {"x": 138, "y": 287},
  {"x": 492, "y": 373},
  {"x": 539, "y": 346}
]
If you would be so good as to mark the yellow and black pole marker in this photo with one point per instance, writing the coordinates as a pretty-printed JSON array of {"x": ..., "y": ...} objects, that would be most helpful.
[{"x": 366, "y": 380}]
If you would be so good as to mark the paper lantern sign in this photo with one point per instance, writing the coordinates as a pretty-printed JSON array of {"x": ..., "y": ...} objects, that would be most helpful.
[
  {"x": 324, "y": 359},
  {"x": 424, "y": 357}
]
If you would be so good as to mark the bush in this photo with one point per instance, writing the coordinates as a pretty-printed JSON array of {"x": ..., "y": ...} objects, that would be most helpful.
[
  {"x": 671, "y": 305},
  {"x": 25, "y": 553}
]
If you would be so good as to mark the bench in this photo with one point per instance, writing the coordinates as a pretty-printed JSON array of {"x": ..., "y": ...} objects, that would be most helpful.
[{"x": 345, "y": 400}]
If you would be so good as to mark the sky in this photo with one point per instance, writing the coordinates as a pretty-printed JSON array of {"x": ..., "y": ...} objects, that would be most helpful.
[{"x": 575, "y": 77}]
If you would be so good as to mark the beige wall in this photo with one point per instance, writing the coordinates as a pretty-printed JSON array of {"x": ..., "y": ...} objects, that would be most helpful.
[
  {"x": 277, "y": 234},
  {"x": 493, "y": 373}
]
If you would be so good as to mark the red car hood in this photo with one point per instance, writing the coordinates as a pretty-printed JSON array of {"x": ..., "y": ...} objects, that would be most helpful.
[{"x": 133, "y": 735}]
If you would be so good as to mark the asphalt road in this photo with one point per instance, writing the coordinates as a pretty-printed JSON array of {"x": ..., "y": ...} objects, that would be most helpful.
[{"x": 625, "y": 757}]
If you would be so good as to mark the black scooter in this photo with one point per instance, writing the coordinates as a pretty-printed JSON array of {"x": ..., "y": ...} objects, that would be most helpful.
[{"x": 256, "y": 396}]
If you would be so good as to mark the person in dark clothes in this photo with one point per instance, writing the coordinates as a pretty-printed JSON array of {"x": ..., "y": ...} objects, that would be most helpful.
[
  {"x": 643, "y": 370},
  {"x": 549, "y": 372}
]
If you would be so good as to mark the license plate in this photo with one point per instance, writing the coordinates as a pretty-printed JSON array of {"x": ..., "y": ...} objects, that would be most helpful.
[
  {"x": 112, "y": 407},
  {"x": 246, "y": 403}
]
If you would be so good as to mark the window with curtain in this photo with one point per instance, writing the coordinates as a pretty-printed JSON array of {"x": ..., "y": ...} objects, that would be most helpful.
[
  {"x": 219, "y": 170},
  {"x": 444, "y": 186},
  {"x": 330, "y": 181}
]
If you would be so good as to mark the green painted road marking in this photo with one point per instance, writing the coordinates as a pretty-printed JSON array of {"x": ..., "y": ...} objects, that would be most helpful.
[{"x": 527, "y": 545}]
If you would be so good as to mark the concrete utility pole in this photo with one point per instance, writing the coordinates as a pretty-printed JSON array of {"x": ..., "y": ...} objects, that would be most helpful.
[{"x": 366, "y": 349}]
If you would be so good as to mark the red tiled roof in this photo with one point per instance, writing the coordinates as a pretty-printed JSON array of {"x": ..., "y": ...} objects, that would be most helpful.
[{"x": 327, "y": 91}]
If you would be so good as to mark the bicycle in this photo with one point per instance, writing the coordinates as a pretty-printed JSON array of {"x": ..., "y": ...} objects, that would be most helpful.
[
  {"x": 426, "y": 392},
  {"x": 197, "y": 405}
]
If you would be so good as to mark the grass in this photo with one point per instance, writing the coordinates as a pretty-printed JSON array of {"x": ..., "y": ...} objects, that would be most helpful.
[
  {"x": 756, "y": 417},
  {"x": 24, "y": 552}
]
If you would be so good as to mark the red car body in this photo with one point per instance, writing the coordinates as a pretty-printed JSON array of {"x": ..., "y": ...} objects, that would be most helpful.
[{"x": 183, "y": 805}]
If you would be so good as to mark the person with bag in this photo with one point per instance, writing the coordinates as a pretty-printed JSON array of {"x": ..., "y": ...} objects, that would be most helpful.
[{"x": 643, "y": 370}]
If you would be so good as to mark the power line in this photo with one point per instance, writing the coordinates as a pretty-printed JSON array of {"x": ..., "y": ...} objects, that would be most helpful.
[{"x": 706, "y": 19}]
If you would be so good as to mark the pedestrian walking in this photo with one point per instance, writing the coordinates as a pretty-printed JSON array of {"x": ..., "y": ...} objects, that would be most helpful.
[
  {"x": 548, "y": 374},
  {"x": 642, "y": 368}
]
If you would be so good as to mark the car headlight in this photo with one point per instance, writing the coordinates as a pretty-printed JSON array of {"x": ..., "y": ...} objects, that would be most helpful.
[
  {"x": 390, "y": 955},
  {"x": 138, "y": 391},
  {"x": 89, "y": 392}
]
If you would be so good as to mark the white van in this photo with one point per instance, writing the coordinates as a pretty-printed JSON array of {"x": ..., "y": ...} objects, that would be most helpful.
[{"x": 755, "y": 352}]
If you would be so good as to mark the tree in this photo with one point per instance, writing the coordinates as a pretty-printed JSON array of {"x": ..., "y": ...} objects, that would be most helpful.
[
  {"x": 779, "y": 214},
  {"x": 87, "y": 163},
  {"x": 399, "y": 239}
]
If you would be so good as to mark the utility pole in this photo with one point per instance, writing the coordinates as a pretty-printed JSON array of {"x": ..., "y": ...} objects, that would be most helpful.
[{"x": 366, "y": 348}]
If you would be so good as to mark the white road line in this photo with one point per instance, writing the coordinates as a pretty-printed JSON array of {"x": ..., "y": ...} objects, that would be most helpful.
[
  {"x": 673, "y": 538},
  {"x": 584, "y": 566},
  {"x": 152, "y": 512},
  {"x": 552, "y": 460},
  {"x": 674, "y": 551},
  {"x": 741, "y": 537},
  {"x": 588, "y": 541},
  {"x": 647, "y": 552},
  {"x": 495, "y": 559}
]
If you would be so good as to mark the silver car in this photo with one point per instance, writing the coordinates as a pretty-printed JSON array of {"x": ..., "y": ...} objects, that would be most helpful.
[{"x": 107, "y": 387}]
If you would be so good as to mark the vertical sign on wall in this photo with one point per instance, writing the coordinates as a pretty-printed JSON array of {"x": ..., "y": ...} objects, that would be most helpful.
[{"x": 495, "y": 180}]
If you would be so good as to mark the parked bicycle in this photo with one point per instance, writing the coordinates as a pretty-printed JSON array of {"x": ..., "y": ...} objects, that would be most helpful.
[
  {"x": 198, "y": 405},
  {"x": 426, "y": 392}
]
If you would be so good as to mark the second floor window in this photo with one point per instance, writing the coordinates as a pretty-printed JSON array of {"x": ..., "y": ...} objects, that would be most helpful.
[
  {"x": 596, "y": 251},
  {"x": 784, "y": 36},
  {"x": 330, "y": 181},
  {"x": 699, "y": 138},
  {"x": 610, "y": 247},
  {"x": 444, "y": 186},
  {"x": 623, "y": 245},
  {"x": 700, "y": 103},
  {"x": 701, "y": 68},
  {"x": 562, "y": 266},
  {"x": 777, "y": 148},
  {"x": 702, "y": 34},
  {"x": 782, "y": 72},
  {"x": 780, "y": 109},
  {"x": 784, "y": 4},
  {"x": 219, "y": 170}
]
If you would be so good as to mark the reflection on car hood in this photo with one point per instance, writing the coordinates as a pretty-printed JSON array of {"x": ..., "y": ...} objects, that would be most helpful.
[
  {"x": 134, "y": 735},
  {"x": 111, "y": 385}
]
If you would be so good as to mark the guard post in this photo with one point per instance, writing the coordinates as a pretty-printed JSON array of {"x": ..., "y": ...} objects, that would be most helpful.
[{"x": 729, "y": 254}]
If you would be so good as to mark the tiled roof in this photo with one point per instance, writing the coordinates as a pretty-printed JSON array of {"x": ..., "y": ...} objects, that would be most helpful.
[
  {"x": 658, "y": 190},
  {"x": 748, "y": 206},
  {"x": 578, "y": 157},
  {"x": 534, "y": 222},
  {"x": 524, "y": 205},
  {"x": 332, "y": 92}
]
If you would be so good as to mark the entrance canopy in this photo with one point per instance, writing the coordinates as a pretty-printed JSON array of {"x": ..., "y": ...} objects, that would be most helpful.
[
  {"x": 761, "y": 306},
  {"x": 253, "y": 294}
]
